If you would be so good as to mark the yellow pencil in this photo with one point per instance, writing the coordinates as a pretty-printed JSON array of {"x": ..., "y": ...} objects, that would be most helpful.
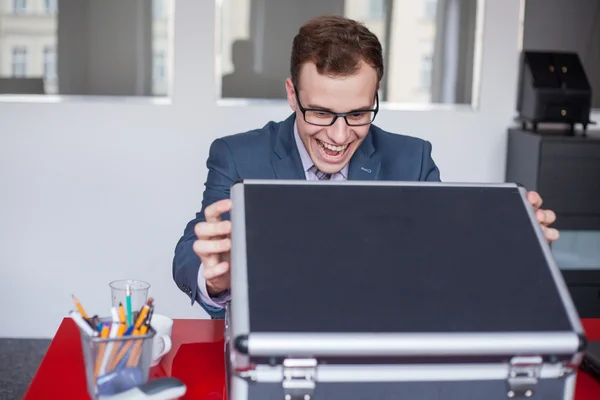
[
  {"x": 122, "y": 317},
  {"x": 79, "y": 307},
  {"x": 111, "y": 363},
  {"x": 136, "y": 353},
  {"x": 143, "y": 313},
  {"x": 100, "y": 356}
]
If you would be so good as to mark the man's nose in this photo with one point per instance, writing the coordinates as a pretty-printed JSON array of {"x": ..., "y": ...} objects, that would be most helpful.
[{"x": 339, "y": 131}]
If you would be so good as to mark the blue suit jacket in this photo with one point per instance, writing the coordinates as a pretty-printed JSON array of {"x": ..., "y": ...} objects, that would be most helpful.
[{"x": 271, "y": 153}]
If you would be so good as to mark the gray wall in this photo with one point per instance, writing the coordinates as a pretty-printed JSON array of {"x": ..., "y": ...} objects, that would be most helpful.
[{"x": 567, "y": 25}]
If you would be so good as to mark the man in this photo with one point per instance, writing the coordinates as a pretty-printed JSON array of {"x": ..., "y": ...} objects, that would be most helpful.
[{"x": 336, "y": 67}]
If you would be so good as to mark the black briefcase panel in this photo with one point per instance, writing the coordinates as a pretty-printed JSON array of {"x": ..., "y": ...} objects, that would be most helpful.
[{"x": 386, "y": 290}]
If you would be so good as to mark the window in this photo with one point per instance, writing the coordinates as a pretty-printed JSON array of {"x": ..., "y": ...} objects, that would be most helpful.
[
  {"x": 49, "y": 64},
  {"x": 426, "y": 71},
  {"x": 376, "y": 9},
  {"x": 29, "y": 46},
  {"x": 50, "y": 6},
  {"x": 430, "y": 9},
  {"x": 19, "y": 62},
  {"x": 19, "y": 6},
  {"x": 158, "y": 68},
  {"x": 410, "y": 43}
]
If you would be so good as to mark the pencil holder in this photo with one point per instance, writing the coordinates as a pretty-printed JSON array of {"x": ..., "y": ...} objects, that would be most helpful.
[{"x": 114, "y": 365}]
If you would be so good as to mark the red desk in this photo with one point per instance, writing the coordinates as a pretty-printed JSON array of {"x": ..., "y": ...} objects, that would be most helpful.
[{"x": 196, "y": 358}]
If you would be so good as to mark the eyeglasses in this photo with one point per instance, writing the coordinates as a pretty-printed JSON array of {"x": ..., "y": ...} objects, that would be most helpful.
[{"x": 327, "y": 118}]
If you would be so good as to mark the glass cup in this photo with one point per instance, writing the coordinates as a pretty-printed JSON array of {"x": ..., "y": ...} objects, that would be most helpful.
[{"x": 139, "y": 294}]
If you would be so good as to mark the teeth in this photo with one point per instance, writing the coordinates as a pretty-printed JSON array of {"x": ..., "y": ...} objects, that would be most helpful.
[{"x": 332, "y": 147}]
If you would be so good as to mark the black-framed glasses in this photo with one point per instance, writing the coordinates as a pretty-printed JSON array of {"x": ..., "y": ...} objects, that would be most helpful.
[{"x": 327, "y": 118}]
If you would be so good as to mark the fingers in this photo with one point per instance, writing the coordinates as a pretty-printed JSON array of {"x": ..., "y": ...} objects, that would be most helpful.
[
  {"x": 213, "y": 212},
  {"x": 550, "y": 233},
  {"x": 208, "y": 230},
  {"x": 205, "y": 248},
  {"x": 546, "y": 217},
  {"x": 216, "y": 271},
  {"x": 213, "y": 242},
  {"x": 535, "y": 199}
]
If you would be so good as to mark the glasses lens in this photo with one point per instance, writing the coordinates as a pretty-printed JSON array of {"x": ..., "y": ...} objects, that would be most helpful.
[
  {"x": 360, "y": 118},
  {"x": 325, "y": 118},
  {"x": 319, "y": 117}
]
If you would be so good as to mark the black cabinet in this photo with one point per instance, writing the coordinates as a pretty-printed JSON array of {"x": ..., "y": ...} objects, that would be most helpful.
[{"x": 565, "y": 170}]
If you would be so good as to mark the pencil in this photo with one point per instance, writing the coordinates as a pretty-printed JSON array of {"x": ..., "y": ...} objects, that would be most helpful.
[
  {"x": 122, "y": 317},
  {"x": 101, "y": 348},
  {"x": 136, "y": 331},
  {"x": 79, "y": 307},
  {"x": 134, "y": 357},
  {"x": 143, "y": 313},
  {"x": 122, "y": 352},
  {"x": 114, "y": 329},
  {"x": 113, "y": 356}
]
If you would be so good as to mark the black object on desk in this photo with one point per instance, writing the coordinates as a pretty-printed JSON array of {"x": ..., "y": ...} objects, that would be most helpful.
[
  {"x": 554, "y": 88},
  {"x": 565, "y": 171}
]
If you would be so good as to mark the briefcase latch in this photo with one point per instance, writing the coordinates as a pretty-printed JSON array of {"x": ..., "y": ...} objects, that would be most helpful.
[
  {"x": 299, "y": 378},
  {"x": 523, "y": 376}
]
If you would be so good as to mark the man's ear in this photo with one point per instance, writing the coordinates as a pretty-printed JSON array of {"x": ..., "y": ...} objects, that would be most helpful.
[{"x": 291, "y": 93}]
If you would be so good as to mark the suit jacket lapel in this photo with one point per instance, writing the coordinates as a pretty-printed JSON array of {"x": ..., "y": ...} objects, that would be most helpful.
[
  {"x": 286, "y": 161},
  {"x": 364, "y": 165}
]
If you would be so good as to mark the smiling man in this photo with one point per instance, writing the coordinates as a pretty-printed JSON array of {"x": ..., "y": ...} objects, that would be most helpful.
[{"x": 336, "y": 67}]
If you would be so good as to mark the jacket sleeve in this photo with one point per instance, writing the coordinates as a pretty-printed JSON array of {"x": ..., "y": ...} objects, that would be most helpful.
[
  {"x": 429, "y": 171},
  {"x": 186, "y": 264}
]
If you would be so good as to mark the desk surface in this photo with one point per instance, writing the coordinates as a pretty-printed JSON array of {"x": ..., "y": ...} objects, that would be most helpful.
[{"x": 196, "y": 358}]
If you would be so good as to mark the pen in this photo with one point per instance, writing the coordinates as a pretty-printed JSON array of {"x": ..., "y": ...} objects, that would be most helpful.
[
  {"x": 95, "y": 323},
  {"x": 82, "y": 324},
  {"x": 149, "y": 317},
  {"x": 128, "y": 302}
]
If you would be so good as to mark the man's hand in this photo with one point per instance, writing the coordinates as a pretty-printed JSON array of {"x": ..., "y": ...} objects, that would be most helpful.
[
  {"x": 214, "y": 247},
  {"x": 545, "y": 217}
]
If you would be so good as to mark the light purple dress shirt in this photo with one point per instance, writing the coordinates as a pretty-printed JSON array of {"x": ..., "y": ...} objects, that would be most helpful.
[{"x": 307, "y": 163}]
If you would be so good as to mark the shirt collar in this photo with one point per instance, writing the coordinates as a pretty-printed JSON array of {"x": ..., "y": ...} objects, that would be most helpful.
[{"x": 307, "y": 162}]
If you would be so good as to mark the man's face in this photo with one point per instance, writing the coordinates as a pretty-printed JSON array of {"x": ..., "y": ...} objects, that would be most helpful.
[{"x": 332, "y": 147}]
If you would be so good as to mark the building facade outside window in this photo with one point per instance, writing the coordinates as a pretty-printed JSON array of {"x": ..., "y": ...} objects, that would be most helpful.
[{"x": 19, "y": 62}]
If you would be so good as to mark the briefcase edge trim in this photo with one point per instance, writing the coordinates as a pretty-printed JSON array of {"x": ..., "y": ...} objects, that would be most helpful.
[{"x": 301, "y": 382}]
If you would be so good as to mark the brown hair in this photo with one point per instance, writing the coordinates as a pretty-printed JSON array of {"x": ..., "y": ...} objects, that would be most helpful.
[{"x": 336, "y": 45}]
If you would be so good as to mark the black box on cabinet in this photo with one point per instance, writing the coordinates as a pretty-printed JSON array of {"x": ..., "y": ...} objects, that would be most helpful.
[{"x": 553, "y": 88}]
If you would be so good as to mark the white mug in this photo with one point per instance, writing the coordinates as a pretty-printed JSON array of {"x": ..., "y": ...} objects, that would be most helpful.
[{"x": 161, "y": 343}]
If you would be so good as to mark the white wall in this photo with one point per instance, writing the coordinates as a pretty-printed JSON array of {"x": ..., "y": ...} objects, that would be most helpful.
[{"x": 93, "y": 191}]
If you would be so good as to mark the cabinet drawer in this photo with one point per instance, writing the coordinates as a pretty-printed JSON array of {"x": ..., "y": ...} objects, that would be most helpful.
[{"x": 569, "y": 177}]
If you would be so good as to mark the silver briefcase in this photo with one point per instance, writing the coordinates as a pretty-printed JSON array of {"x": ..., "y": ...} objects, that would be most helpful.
[{"x": 384, "y": 291}]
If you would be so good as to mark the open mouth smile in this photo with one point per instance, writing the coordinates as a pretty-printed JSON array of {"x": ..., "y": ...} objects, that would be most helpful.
[{"x": 332, "y": 152}]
